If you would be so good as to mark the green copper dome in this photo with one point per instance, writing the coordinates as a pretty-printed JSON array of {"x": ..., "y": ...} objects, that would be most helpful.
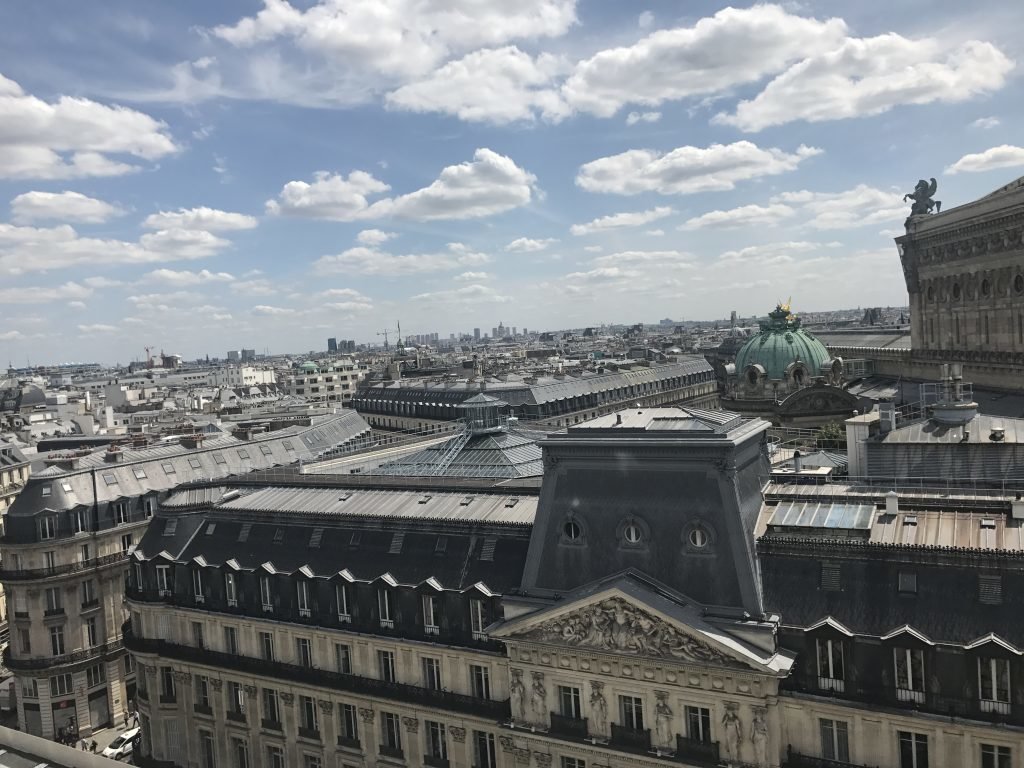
[{"x": 780, "y": 343}]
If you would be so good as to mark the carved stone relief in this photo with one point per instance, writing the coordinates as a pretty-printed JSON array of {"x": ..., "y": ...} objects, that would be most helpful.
[
  {"x": 367, "y": 714},
  {"x": 616, "y": 625},
  {"x": 412, "y": 725}
]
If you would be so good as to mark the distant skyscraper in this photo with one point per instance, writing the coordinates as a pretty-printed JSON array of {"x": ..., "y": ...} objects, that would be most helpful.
[
  {"x": 232, "y": 355},
  {"x": 514, "y": 331},
  {"x": 476, "y": 334},
  {"x": 494, "y": 332},
  {"x": 332, "y": 344},
  {"x": 248, "y": 355},
  {"x": 525, "y": 332}
]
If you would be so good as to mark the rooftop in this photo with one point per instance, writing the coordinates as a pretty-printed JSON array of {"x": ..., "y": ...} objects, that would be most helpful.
[{"x": 695, "y": 422}]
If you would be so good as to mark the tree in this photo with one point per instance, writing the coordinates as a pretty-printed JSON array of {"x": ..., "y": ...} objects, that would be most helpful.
[{"x": 831, "y": 437}]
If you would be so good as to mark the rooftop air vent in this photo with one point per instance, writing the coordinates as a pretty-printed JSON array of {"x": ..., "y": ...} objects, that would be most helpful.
[{"x": 997, "y": 433}]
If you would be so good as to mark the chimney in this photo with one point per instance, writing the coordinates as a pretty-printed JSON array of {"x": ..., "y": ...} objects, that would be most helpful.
[
  {"x": 796, "y": 462},
  {"x": 618, "y": 419},
  {"x": 892, "y": 503},
  {"x": 113, "y": 455},
  {"x": 886, "y": 417},
  {"x": 192, "y": 441},
  {"x": 958, "y": 382}
]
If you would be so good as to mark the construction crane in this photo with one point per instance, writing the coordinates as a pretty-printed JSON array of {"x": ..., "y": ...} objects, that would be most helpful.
[{"x": 385, "y": 333}]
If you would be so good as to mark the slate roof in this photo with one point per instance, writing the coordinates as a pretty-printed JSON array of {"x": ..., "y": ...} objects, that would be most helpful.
[{"x": 165, "y": 466}]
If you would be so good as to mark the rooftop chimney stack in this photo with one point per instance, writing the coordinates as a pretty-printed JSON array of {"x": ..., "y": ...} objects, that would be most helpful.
[{"x": 892, "y": 503}]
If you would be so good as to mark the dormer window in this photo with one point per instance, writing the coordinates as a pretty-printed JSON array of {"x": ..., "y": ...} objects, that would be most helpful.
[
  {"x": 344, "y": 615},
  {"x": 385, "y": 607},
  {"x": 47, "y": 527},
  {"x": 266, "y": 594},
  {"x": 994, "y": 685},
  {"x": 197, "y": 586},
  {"x": 302, "y": 589},
  {"x": 230, "y": 590},
  {"x": 430, "y": 626}
]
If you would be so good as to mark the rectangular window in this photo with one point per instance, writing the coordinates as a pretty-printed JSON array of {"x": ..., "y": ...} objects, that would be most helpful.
[
  {"x": 78, "y": 521},
  {"x": 126, "y": 542},
  {"x": 236, "y": 697},
  {"x": 219, "y": 458},
  {"x": 995, "y": 757},
  {"x": 348, "y": 726},
  {"x": 91, "y": 635},
  {"x": 391, "y": 736},
  {"x": 343, "y": 657},
  {"x": 302, "y": 590},
  {"x": 50, "y": 560},
  {"x": 631, "y": 712},
  {"x": 195, "y": 463},
  {"x": 835, "y": 740},
  {"x": 47, "y": 527},
  {"x": 698, "y": 724},
  {"x": 430, "y": 615},
  {"x": 95, "y": 675},
  {"x": 437, "y": 742},
  {"x": 202, "y": 692},
  {"x": 88, "y": 592},
  {"x": 432, "y": 673},
  {"x": 168, "y": 468},
  {"x": 477, "y": 618},
  {"x": 384, "y": 606},
  {"x": 57, "y": 640},
  {"x": 163, "y": 579},
  {"x": 907, "y": 582},
  {"x": 831, "y": 577},
  {"x": 994, "y": 685},
  {"x": 24, "y": 641},
  {"x": 197, "y": 635},
  {"x": 231, "y": 640},
  {"x": 271, "y": 710},
  {"x": 30, "y": 688},
  {"x": 386, "y": 665},
  {"x": 167, "y": 683},
  {"x": 240, "y": 752},
  {"x": 267, "y": 646},
  {"x": 307, "y": 710},
  {"x": 483, "y": 750},
  {"x": 480, "y": 681},
  {"x": 266, "y": 594},
  {"x": 304, "y": 652},
  {"x": 275, "y": 757},
  {"x": 312, "y": 761},
  {"x": 54, "y": 600},
  {"x": 573, "y": 762},
  {"x": 990, "y": 589},
  {"x": 61, "y": 685},
  {"x": 909, "y": 664},
  {"x": 207, "y": 752},
  {"x": 341, "y": 594},
  {"x": 120, "y": 513},
  {"x": 197, "y": 586},
  {"x": 230, "y": 591},
  {"x": 913, "y": 750},
  {"x": 569, "y": 704},
  {"x": 831, "y": 670}
]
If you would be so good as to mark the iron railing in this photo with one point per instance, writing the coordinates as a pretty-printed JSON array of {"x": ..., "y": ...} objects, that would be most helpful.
[
  {"x": 631, "y": 738},
  {"x": 437, "y": 699},
  {"x": 26, "y": 574},
  {"x": 564, "y": 725},
  {"x": 796, "y": 760},
  {"x": 694, "y": 750},
  {"x": 84, "y": 654}
]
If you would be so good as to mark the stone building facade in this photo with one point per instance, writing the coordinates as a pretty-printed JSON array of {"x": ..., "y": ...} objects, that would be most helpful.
[{"x": 964, "y": 270}]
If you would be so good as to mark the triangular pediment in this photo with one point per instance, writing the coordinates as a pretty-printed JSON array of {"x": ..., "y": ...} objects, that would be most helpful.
[{"x": 621, "y": 621}]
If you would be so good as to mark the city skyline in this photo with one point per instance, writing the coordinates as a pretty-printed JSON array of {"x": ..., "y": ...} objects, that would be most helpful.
[{"x": 200, "y": 178}]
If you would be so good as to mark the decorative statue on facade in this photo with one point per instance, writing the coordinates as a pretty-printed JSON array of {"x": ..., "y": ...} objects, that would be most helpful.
[
  {"x": 517, "y": 693},
  {"x": 733, "y": 730},
  {"x": 759, "y": 737},
  {"x": 663, "y": 720},
  {"x": 538, "y": 698},
  {"x": 598, "y": 708},
  {"x": 922, "y": 197}
]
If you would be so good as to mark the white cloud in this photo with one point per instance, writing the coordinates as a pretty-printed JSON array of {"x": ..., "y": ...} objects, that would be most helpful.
[
  {"x": 654, "y": 232},
  {"x": 208, "y": 219},
  {"x": 620, "y": 220},
  {"x": 398, "y": 38},
  {"x": 11, "y": 335},
  {"x": 499, "y": 85},
  {"x": 65, "y": 206},
  {"x": 1004, "y": 156},
  {"x": 371, "y": 261},
  {"x": 97, "y": 328},
  {"x": 102, "y": 282},
  {"x": 469, "y": 277},
  {"x": 687, "y": 170},
  {"x": 646, "y": 259},
  {"x": 77, "y": 304},
  {"x": 24, "y": 249},
  {"x": 593, "y": 248},
  {"x": 642, "y": 117},
  {"x": 869, "y": 76},
  {"x": 258, "y": 287},
  {"x": 767, "y": 254},
  {"x": 264, "y": 309},
  {"x": 342, "y": 293},
  {"x": 467, "y": 294},
  {"x": 184, "y": 277},
  {"x": 984, "y": 123},
  {"x": 489, "y": 184},
  {"x": 73, "y": 137},
  {"x": 221, "y": 316},
  {"x": 645, "y": 20},
  {"x": 733, "y": 47},
  {"x": 374, "y": 237},
  {"x": 600, "y": 275},
  {"x": 744, "y": 216},
  {"x": 857, "y": 207},
  {"x": 43, "y": 294},
  {"x": 529, "y": 245}
]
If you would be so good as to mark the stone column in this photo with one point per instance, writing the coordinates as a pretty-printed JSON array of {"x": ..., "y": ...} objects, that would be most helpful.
[
  {"x": 460, "y": 751},
  {"x": 290, "y": 727},
  {"x": 328, "y": 723},
  {"x": 368, "y": 734}
]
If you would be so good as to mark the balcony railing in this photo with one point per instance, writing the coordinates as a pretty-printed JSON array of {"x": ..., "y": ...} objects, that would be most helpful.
[
  {"x": 631, "y": 738},
  {"x": 456, "y": 702},
  {"x": 309, "y": 733},
  {"x": 796, "y": 760},
  {"x": 922, "y": 701},
  {"x": 564, "y": 725},
  {"x": 435, "y": 762},
  {"x": 236, "y": 715},
  {"x": 27, "y": 574},
  {"x": 270, "y": 725},
  {"x": 395, "y": 752},
  {"x": 693, "y": 750},
  {"x": 85, "y": 654},
  {"x": 202, "y": 709},
  {"x": 345, "y": 741}
]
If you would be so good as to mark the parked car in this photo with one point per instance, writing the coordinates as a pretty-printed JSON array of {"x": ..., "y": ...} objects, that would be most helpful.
[{"x": 122, "y": 746}]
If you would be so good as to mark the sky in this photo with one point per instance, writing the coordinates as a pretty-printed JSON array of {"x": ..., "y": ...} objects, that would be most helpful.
[{"x": 197, "y": 177}]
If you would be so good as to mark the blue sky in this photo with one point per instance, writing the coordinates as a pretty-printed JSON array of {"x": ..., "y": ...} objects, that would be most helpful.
[{"x": 200, "y": 176}]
